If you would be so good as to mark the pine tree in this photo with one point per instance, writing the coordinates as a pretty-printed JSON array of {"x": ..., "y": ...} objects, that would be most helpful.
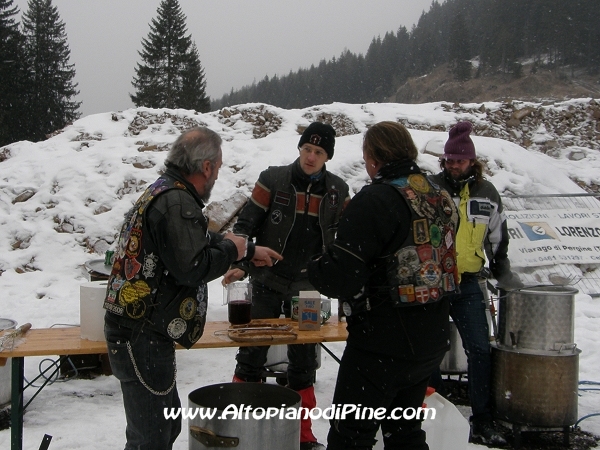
[
  {"x": 13, "y": 76},
  {"x": 459, "y": 49},
  {"x": 51, "y": 99},
  {"x": 170, "y": 75}
]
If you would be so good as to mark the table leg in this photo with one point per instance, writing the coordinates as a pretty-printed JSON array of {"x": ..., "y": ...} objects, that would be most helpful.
[{"x": 16, "y": 403}]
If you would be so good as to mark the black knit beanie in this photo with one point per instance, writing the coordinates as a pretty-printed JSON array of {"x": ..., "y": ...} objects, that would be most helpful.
[{"x": 321, "y": 135}]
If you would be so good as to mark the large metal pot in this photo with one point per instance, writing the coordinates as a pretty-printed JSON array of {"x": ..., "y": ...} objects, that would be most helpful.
[
  {"x": 537, "y": 318},
  {"x": 246, "y": 431},
  {"x": 534, "y": 387}
]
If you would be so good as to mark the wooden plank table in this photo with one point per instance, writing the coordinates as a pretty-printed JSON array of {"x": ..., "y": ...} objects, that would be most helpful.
[{"x": 67, "y": 341}]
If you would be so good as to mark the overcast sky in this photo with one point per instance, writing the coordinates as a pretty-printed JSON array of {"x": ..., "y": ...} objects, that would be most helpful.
[{"x": 238, "y": 41}]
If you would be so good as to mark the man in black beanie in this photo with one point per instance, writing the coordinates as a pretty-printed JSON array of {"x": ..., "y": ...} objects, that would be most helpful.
[{"x": 295, "y": 210}]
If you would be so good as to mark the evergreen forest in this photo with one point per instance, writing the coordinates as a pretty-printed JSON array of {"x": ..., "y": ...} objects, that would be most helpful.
[{"x": 496, "y": 34}]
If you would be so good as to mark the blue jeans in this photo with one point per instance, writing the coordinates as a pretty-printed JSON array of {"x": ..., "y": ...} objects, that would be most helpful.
[
  {"x": 154, "y": 356},
  {"x": 467, "y": 310}
]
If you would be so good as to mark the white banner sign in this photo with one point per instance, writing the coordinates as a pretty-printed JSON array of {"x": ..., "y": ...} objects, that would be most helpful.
[{"x": 548, "y": 237}]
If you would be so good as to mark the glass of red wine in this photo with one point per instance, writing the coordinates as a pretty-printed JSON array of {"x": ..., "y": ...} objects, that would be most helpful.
[{"x": 238, "y": 296}]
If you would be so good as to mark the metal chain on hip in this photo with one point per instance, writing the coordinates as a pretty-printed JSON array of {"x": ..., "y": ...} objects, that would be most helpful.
[{"x": 139, "y": 375}]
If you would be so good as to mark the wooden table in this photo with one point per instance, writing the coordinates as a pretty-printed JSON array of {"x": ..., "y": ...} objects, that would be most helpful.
[{"x": 67, "y": 341}]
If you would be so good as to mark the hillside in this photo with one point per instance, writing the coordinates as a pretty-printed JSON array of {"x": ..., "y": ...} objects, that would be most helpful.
[{"x": 544, "y": 85}]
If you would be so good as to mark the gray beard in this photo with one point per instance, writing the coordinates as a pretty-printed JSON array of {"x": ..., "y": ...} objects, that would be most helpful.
[{"x": 207, "y": 191}]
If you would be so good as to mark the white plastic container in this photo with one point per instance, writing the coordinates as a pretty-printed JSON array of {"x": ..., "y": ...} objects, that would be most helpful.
[
  {"x": 5, "y": 371},
  {"x": 448, "y": 431},
  {"x": 91, "y": 310}
]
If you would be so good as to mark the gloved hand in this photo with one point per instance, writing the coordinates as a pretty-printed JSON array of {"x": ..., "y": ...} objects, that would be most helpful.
[{"x": 509, "y": 282}]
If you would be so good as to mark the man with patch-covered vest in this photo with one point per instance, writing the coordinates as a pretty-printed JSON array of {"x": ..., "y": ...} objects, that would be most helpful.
[
  {"x": 157, "y": 290},
  {"x": 482, "y": 232},
  {"x": 295, "y": 210}
]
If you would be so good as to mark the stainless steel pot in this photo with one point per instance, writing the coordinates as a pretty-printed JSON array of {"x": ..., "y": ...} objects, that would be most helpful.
[
  {"x": 247, "y": 431},
  {"x": 535, "y": 388},
  {"x": 538, "y": 318}
]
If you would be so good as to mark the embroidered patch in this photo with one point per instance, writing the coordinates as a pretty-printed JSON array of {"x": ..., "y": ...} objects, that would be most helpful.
[
  {"x": 196, "y": 332},
  {"x": 448, "y": 282},
  {"x": 150, "y": 262},
  {"x": 135, "y": 310},
  {"x": 282, "y": 198},
  {"x": 407, "y": 293},
  {"x": 127, "y": 294},
  {"x": 179, "y": 185},
  {"x": 431, "y": 273},
  {"x": 434, "y": 293},
  {"x": 425, "y": 252},
  {"x": 134, "y": 243},
  {"x": 276, "y": 217},
  {"x": 334, "y": 198},
  {"x": 187, "y": 309},
  {"x": 409, "y": 258},
  {"x": 420, "y": 231},
  {"x": 435, "y": 235},
  {"x": 176, "y": 328},
  {"x": 449, "y": 263},
  {"x": 132, "y": 267},
  {"x": 419, "y": 183},
  {"x": 315, "y": 139},
  {"x": 422, "y": 294}
]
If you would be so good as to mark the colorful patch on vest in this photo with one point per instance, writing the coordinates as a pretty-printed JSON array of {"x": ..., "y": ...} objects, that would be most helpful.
[
  {"x": 400, "y": 182},
  {"x": 334, "y": 198},
  {"x": 435, "y": 235},
  {"x": 132, "y": 267},
  {"x": 425, "y": 252},
  {"x": 187, "y": 308},
  {"x": 196, "y": 332},
  {"x": 449, "y": 263},
  {"x": 176, "y": 328},
  {"x": 283, "y": 198},
  {"x": 449, "y": 240},
  {"x": 179, "y": 185},
  {"x": 420, "y": 231},
  {"x": 448, "y": 284},
  {"x": 422, "y": 294},
  {"x": 419, "y": 183},
  {"x": 135, "y": 310},
  {"x": 276, "y": 217},
  {"x": 431, "y": 273},
  {"x": 127, "y": 294},
  {"x": 434, "y": 293},
  {"x": 407, "y": 293},
  {"x": 448, "y": 207},
  {"x": 134, "y": 243},
  {"x": 150, "y": 262},
  {"x": 408, "y": 257},
  {"x": 410, "y": 194}
]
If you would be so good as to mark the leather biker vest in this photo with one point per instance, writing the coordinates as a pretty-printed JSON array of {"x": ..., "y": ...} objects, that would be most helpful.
[
  {"x": 136, "y": 290},
  {"x": 424, "y": 268}
]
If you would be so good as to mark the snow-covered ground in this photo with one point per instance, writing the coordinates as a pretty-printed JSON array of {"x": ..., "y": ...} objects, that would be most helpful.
[{"x": 63, "y": 200}]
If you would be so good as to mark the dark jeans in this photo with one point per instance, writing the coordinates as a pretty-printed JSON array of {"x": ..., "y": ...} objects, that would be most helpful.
[
  {"x": 269, "y": 304},
  {"x": 467, "y": 310},
  {"x": 374, "y": 380},
  {"x": 154, "y": 356}
]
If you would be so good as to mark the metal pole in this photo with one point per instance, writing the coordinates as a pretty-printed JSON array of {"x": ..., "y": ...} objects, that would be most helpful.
[{"x": 16, "y": 403}]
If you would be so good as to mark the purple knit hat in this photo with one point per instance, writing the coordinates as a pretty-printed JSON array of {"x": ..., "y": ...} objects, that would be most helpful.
[{"x": 459, "y": 144}]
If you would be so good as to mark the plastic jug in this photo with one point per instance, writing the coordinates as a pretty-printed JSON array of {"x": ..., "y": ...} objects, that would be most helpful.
[{"x": 448, "y": 431}]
